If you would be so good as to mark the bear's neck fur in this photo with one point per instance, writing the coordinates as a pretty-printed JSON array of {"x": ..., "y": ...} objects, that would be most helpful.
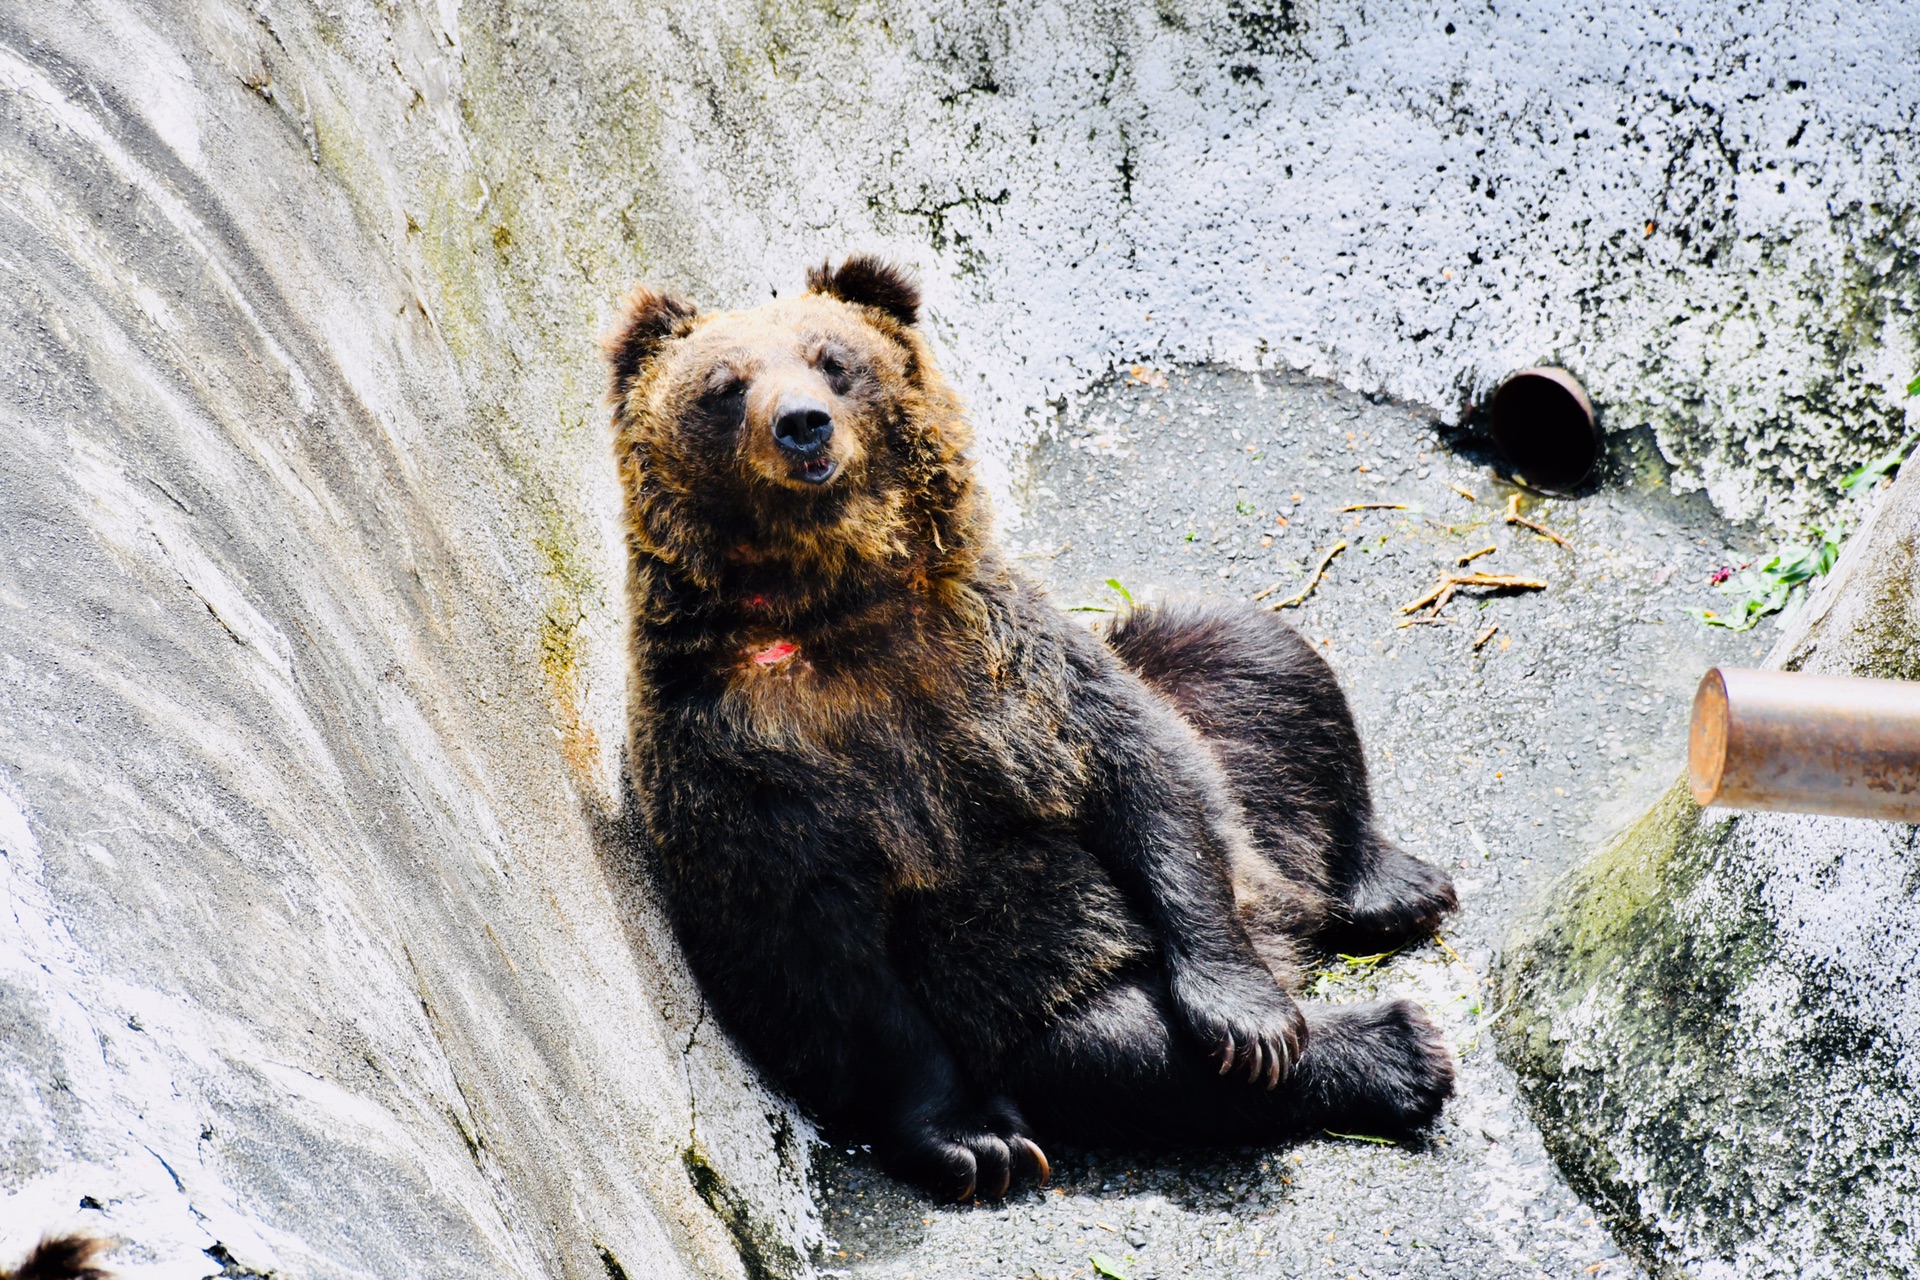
[{"x": 921, "y": 559}]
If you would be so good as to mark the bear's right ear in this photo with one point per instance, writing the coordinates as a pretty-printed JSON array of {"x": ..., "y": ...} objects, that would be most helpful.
[{"x": 651, "y": 318}]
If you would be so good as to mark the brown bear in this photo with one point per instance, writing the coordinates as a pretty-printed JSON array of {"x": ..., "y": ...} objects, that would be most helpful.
[{"x": 956, "y": 870}]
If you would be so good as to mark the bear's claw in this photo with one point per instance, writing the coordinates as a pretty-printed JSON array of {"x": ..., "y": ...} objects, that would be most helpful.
[
  {"x": 1252, "y": 1023},
  {"x": 972, "y": 1153},
  {"x": 1030, "y": 1158}
]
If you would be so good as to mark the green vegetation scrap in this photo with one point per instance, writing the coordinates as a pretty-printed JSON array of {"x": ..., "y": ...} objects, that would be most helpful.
[
  {"x": 1768, "y": 588},
  {"x": 1114, "y": 585}
]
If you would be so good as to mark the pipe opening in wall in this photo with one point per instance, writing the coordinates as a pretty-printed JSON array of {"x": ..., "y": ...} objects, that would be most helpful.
[{"x": 1543, "y": 421}]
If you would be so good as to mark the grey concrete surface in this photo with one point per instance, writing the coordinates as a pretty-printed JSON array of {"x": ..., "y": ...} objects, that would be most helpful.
[
  {"x": 1505, "y": 764},
  {"x": 320, "y": 953}
]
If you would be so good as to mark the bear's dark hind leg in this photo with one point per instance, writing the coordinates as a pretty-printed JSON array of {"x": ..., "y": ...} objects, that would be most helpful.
[
  {"x": 1275, "y": 716},
  {"x": 1119, "y": 1070}
]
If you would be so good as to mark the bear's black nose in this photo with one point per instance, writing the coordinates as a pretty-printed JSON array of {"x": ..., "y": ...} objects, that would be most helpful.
[{"x": 802, "y": 427}]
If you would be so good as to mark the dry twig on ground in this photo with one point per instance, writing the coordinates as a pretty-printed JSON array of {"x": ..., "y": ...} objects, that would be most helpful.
[
  {"x": 1319, "y": 572},
  {"x": 1465, "y": 493},
  {"x": 1471, "y": 556},
  {"x": 1514, "y": 517},
  {"x": 1486, "y": 634},
  {"x": 1449, "y": 583},
  {"x": 1374, "y": 506}
]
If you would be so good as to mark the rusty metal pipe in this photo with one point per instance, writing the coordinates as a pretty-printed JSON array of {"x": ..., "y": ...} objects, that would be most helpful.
[{"x": 1801, "y": 743}]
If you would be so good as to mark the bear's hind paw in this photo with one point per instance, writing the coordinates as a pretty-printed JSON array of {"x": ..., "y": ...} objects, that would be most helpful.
[
  {"x": 1389, "y": 1071},
  {"x": 1394, "y": 900}
]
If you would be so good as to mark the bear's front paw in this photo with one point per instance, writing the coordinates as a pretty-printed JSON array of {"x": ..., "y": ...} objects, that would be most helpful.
[
  {"x": 1245, "y": 1018},
  {"x": 968, "y": 1152}
]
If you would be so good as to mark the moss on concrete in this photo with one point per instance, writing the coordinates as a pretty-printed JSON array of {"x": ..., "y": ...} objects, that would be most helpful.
[
  {"x": 764, "y": 1252},
  {"x": 1713, "y": 1104},
  {"x": 1710, "y": 1019}
]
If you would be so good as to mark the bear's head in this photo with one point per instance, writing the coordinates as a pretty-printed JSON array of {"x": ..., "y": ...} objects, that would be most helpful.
[{"x": 779, "y": 457}]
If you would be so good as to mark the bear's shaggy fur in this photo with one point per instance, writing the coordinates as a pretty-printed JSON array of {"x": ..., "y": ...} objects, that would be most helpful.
[
  {"x": 62, "y": 1257},
  {"x": 955, "y": 870}
]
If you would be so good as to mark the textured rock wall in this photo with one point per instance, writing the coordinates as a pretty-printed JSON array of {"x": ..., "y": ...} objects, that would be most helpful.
[
  {"x": 1706, "y": 211},
  {"x": 321, "y": 951},
  {"x": 320, "y": 943},
  {"x": 1717, "y": 1021}
]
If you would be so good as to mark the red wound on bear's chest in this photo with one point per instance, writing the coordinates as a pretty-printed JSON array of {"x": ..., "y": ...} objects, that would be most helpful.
[{"x": 778, "y": 651}]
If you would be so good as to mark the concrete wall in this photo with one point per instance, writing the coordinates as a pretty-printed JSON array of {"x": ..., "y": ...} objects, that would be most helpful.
[
  {"x": 1706, "y": 211},
  {"x": 321, "y": 946}
]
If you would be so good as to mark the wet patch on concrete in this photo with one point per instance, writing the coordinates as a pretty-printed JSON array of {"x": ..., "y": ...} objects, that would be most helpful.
[{"x": 1503, "y": 762}]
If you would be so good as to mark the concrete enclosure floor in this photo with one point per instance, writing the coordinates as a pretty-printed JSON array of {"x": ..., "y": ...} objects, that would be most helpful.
[{"x": 1503, "y": 761}]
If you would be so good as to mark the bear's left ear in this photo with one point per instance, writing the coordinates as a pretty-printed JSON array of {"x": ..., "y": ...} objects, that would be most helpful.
[
  {"x": 651, "y": 318},
  {"x": 867, "y": 281}
]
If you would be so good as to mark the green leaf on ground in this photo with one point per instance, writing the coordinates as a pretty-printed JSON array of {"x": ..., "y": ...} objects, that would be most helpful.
[
  {"x": 1107, "y": 1267},
  {"x": 1768, "y": 588},
  {"x": 1360, "y": 1137},
  {"x": 1473, "y": 1009},
  {"x": 1124, "y": 593},
  {"x": 1865, "y": 478}
]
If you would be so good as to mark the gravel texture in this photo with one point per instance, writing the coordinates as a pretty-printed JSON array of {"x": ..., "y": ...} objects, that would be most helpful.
[{"x": 1504, "y": 763}]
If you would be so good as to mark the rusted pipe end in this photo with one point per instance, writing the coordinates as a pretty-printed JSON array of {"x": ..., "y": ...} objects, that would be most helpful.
[
  {"x": 1543, "y": 421},
  {"x": 1707, "y": 739},
  {"x": 1798, "y": 743}
]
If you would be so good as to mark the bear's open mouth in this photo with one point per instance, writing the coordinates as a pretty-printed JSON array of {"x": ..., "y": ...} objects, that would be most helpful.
[{"x": 816, "y": 470}]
